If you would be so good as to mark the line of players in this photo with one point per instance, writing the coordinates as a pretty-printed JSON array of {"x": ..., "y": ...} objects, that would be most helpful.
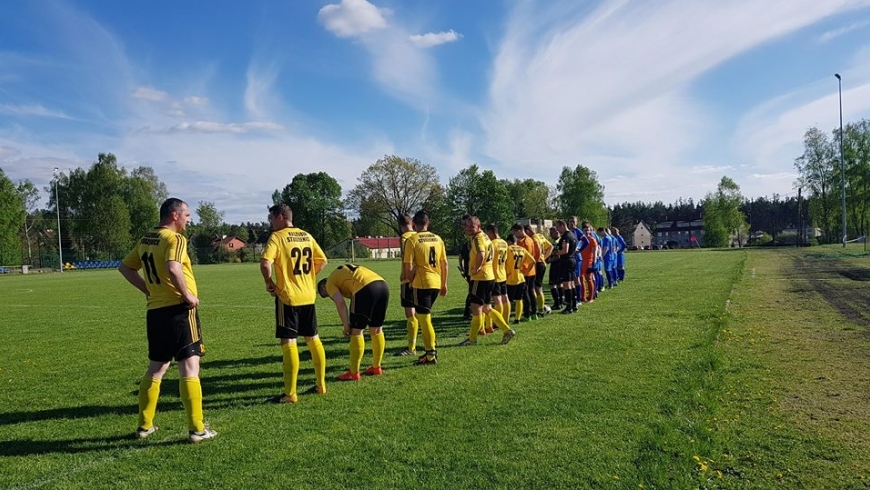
[{"x": 499, "y": 272}]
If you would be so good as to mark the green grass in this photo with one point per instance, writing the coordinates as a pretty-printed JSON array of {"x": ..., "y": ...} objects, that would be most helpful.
[{"x": 656, "y": 385}]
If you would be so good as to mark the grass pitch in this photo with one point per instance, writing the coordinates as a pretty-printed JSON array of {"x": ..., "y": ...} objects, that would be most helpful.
[{"x": 704, "y": 369}]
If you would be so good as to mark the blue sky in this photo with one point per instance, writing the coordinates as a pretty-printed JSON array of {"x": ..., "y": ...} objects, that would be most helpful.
[{"x": 228, "y": 100}]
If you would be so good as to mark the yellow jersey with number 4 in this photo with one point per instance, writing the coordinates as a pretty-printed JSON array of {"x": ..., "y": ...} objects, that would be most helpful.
[{"x": 425, "y": 252}]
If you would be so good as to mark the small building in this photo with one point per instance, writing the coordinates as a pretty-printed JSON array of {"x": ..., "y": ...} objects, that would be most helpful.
[
  {"x": 541, "y": 226},
  {"x": 228, "y": 243},
  {"x": 680, "y": 234},
  {"x": 640, "y": 237}
]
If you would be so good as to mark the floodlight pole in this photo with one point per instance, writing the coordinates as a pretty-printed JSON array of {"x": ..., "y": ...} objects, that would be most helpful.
[
  {"x": 57, "y": 207},
  {"x": 842, "y": 163}
]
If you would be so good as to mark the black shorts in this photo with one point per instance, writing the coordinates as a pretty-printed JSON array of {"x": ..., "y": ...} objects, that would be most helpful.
[
  {"x": 481, "y": 292},
  {"x": 173, "y": 333},
  {"x": 424, "y": 299},
  {"x": 293, "y": 321},
  {"x": 540, "y": 270},
  {"x": 555, "y": 273},
  {"x": 368, "y": 307},
  {"x": 567, "y": 269},
  {"x": 499, "y": 289},
  {"x": 406, "y": 295},
  {"x": 515, "y": 291}
]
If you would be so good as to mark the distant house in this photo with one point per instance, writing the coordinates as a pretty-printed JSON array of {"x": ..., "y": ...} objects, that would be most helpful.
[
  {"x": 229, "y": 243},
  {"x": 640, "y": 237},
  {"x": 682, "y": 234}
]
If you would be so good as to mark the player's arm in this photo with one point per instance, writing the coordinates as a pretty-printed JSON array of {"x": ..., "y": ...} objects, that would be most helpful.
[
  {"x": 479, "y": 258},
  {"x": 266, "y": 271},
  {"x": 341, "y": 306},
  {"x": 443, "y": 270},
  {"x": 176, "y": 276},
  {"x": 320, "y": 260},
  {"x": 132, "y": 276}
]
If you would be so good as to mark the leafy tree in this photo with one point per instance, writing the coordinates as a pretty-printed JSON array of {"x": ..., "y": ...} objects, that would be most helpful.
[
  {"x": 12, "y": 216},
  {"x": 480, "y": 194},
  {"x": 817, "y": 175},
  {"x": 210, "y": 219},
  {"x": 30, "y": 198},
  {"x": 143, "y": 193},
  {"x": 315, "y": 199},
  {"x": 722, "y": 214},
  {"x": 392, "y": 187},
  {"x": 530, "y": 198},
  {"x": 581, "y": 195},
  {"x": 105, "y": 191}
]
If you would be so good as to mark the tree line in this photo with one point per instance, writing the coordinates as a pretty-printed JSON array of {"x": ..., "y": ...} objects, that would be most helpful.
[{"x": 105, "y": 208}]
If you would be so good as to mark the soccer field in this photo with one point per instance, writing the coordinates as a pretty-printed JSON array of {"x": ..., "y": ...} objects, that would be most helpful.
[{"x": 638, "y": 390}]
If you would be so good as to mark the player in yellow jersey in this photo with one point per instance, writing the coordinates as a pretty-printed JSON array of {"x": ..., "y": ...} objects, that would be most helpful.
[
  {"x": 369, "y": 296},
  {"x": 519, "y": 262},
  {"x": 172, "y": 320},
  {"x": 500, "y": 300},
  {"x": 297, "y": 259},
  {"x": 480, "y": 269},
  {"x": 541, "y": 269},
  {"x": 527, "y": 242},
  {"x": 406, "y": 226},
  {"x": 424, "y": 263}
]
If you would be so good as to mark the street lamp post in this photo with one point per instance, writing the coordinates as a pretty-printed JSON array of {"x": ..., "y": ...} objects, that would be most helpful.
[
  {"x": 57, "y": 206},
  {"x": 842, "y": 164}
]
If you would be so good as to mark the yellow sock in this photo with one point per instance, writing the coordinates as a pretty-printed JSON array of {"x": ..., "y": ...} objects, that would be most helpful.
[
  {"x": 413, "y": 326},
  {"x": 318, "y": 358},
  {"x": 506, "y": 310},
  {"x": 476, "y": 323},
  {"x": 495, "y": 317},
  {"x": 487, "y": 322},
  {"x": 540, "y": 297},
  {"x": 427, "y": 330},
  {"x": 191, "y": 398},
  {"x": 149, "y": 391},
  {"x": 357, "y": 347},
  {"x": 519, "y": 309},
  {"x": 290, "y": 353},
  {"x": 378, "y": 345}
]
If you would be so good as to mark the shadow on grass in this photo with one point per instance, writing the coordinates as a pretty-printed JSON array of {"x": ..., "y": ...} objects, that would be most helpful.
[{"x": 32, "y": 447}]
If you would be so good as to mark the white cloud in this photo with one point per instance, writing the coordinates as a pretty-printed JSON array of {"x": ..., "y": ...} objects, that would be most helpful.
[
  {"x": 196, "y": 101},
  {"x": 31, "y": 110},
  {"x": 711, "y": 169},
  {"x": 352, "y": 18},
  {"x": 431, "y": 39},
  {"x": 260, "y": 101},
  {"x": 215, "y": 127},
  {"x": 150, "y": 94},
  {"x": 7, "y": 152},
  {"x": 610, "y": 88},
  {"x": 835, "y": 33}
]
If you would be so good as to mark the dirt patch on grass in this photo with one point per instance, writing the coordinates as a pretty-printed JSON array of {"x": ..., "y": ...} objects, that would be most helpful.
[{"x": 839, "y": 283}]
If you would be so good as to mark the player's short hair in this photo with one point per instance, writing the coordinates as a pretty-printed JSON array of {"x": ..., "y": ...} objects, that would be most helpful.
[
  {"x": 600, "y": 229},
  {"x": 516, "y": 227},
  {"x": 560, "y": 222},
  {"x": 491, "y": 228},
  {"x": 321, "y": 288},
  {"x": 281, "y": 210},
  {"x": 472, "y": 219},
  {"x": 511, "y": 239},
  {"x": 421, "y": 218},
  {"x": 169, "y": 206},
  {"x": 528, "y": 229},
  {"x": 614, "y": 230}
]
